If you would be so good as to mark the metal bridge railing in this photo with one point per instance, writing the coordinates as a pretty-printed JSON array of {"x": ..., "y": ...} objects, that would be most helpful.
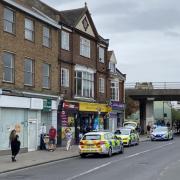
[{"x": 152, "y": 85}]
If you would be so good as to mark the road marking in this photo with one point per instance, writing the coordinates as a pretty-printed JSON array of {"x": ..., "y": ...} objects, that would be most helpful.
[
  {"x": 89, "y": 171},
  {"x": 115, "y": 161}
]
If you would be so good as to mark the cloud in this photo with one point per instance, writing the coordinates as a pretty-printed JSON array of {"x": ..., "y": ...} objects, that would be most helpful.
[{"x": 143, "y": 33}]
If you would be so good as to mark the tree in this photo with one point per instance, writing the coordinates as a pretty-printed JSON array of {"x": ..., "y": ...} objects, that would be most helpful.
[
  {"x": 175, "y": 115},
  {"x": 131, "y": 106},
  {"x": 176, "y": 119}
]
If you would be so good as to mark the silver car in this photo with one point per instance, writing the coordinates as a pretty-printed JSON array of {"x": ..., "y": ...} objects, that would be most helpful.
[{"x": 161, "y": 133}]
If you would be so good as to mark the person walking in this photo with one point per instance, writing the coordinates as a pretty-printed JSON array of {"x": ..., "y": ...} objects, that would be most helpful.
[
  {"x": 68, "y": 138},
  {"x": 15, "y": 144},
  {"x": 148, "y": 130},
  {"x": 52, "y": 138}
]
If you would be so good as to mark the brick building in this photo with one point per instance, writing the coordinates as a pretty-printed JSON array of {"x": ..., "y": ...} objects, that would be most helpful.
[
  {"x": 57, "y": 66},
  {"x": 29, "y": 68}
]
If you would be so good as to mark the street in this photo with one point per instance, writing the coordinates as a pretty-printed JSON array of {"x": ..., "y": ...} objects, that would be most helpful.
[{"x": 149, "y": 160}]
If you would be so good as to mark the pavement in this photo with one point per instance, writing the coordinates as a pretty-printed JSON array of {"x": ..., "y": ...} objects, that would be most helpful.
[{"x": 35, "y": 158}]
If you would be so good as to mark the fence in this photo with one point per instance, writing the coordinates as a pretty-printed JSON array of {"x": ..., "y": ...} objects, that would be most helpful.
[{"x": 152, "y": 85}]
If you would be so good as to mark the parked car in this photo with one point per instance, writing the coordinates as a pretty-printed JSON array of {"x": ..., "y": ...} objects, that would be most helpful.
[
  {"x": 161, "y": 133},
  {"x": 100, "y": 143},
  {"x": 129, "y": 136},
  {"x": 130, "y": 124}
]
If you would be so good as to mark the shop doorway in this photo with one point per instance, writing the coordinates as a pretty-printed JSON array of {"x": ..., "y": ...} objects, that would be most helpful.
[{"x": 32, "y": 134}]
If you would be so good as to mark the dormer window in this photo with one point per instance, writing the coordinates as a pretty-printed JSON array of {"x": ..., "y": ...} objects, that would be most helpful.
[
  {"x": 101, "y": 54},
  {"x": 112, "y": 67}
]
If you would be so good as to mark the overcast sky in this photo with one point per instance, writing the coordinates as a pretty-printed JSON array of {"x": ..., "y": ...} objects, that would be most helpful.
[{"x": 144, "y": 34}]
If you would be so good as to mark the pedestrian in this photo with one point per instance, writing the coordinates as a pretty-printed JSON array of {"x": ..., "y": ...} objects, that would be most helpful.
[
  {"x": 69, "y": 139},
  {"x": 15, "y": 144},
  {"x": 168, "y": 124},
  {"x": 148, "y": 130},
  {"x": 52, "y": 138},
  {"x": 42, "y": 135}
]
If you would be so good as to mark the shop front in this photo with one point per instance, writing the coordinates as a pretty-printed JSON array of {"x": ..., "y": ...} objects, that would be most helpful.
[
  {"x": 81, "y": 117},
  {"x": 67, "y": 119},
  {"x": 116, "y": 115},
  {"x": 93, "y": 116},
  {"x": 26, "y": 117}
]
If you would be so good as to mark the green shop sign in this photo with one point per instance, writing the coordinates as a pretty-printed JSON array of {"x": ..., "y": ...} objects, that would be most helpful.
[{"x": 47, "y": 105}]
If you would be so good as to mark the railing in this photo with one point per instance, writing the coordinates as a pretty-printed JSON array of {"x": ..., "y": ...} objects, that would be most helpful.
[{"x": 152, "y": 85}]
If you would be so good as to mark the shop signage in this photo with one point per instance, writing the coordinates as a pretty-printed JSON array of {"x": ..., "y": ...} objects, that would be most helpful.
[
  {"x": 64, "y": 119},
  {"x": 94, "y": 107},
  {"x": 47, "y": 105},
  {"x": 116, "y": 105},
  {"x": 70, "y": 106}
]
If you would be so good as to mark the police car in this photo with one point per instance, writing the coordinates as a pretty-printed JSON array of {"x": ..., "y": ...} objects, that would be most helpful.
[
  {"x": 100, "y": 143},
  {"x": 129, "y": 136}
]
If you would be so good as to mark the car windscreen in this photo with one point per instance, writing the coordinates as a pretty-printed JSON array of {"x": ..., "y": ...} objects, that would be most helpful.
[
  {"x": 130, "y": 124},
  {"x": 160, "y": 129},
  {"x": 92, "y": 137},
  {"x": 123, "y": 132}
]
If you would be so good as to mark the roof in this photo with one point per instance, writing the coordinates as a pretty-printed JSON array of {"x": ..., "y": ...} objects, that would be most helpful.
[
  {"x": 101, "y": 39},
  {"x": 72, "y": 17},
  {"x": 123, "y": 76},
  {"x": 33, "y": 13},
  {"x": 97, "y": 133},
  {"x": 109, "y": 54}
]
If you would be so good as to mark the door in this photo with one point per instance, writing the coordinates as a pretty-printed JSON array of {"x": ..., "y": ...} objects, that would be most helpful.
[{"x": 32, "y": 135}]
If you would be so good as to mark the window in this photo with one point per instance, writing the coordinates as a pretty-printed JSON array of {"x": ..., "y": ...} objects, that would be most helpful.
[
  {"x": 84, "y": 47},
  {"x": 28, "y": 72},
  {"x": 101, "y": 54},
  {"x": 84, "y": 84},
  {"x": 101, "y": 85},
  {"x": 46, "y": 37},
  {"x": 65, "y": 40},
  {"x": 64, "y": 77},
  {"x": 46, "y": 76},
  {"x": 8, "y": 67},
  {"x": 9, "y": 21},
  {"x": 29, "y": 29},
  {"x": 112, "y": 67},
  {"x": 115, "y": 90}
]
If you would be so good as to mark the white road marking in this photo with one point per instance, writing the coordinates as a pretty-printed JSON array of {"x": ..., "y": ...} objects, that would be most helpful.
[
  {"x": 89, "y": 171},
  {"x": 114, "y": 161}
]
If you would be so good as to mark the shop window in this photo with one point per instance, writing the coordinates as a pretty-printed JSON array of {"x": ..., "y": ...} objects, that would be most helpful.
[
  {"x": 101, "y": 54},
  {"x": 115, "y": 90},
  {"x": 8, "y": 67},
  {"x": 29, "y": 29},
  {"x": 101, "y": 85},
  {"x": 85, "y": 47},
  {"x": 46, "y": 76},
  {"x": 28, "y": 72},
  {"x": 46, "y": 37},
  {"x": 84, "y": 84},
  {"x": 64, "y": 77},
  {"x": 9, "y": 20},
  {"x": 64, "y": 40}
]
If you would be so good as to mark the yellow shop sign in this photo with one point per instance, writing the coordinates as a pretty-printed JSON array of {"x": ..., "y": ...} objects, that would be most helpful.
[{"x": 93, "y": 107}]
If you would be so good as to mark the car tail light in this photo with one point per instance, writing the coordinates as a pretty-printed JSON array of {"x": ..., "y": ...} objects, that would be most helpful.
[
  {"x": 102, "y": 142},
  {"x": 81, "y": 143}
]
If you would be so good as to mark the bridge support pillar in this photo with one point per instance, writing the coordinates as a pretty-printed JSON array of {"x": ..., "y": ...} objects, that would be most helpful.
[{"x": 146, "y": 113}]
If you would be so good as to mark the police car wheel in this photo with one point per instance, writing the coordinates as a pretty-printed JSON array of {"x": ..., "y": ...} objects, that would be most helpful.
[
  {"x": 83, "y": 155},
  {"x": 110, "y": 152},
  {"x": 122, "y": 150}
]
